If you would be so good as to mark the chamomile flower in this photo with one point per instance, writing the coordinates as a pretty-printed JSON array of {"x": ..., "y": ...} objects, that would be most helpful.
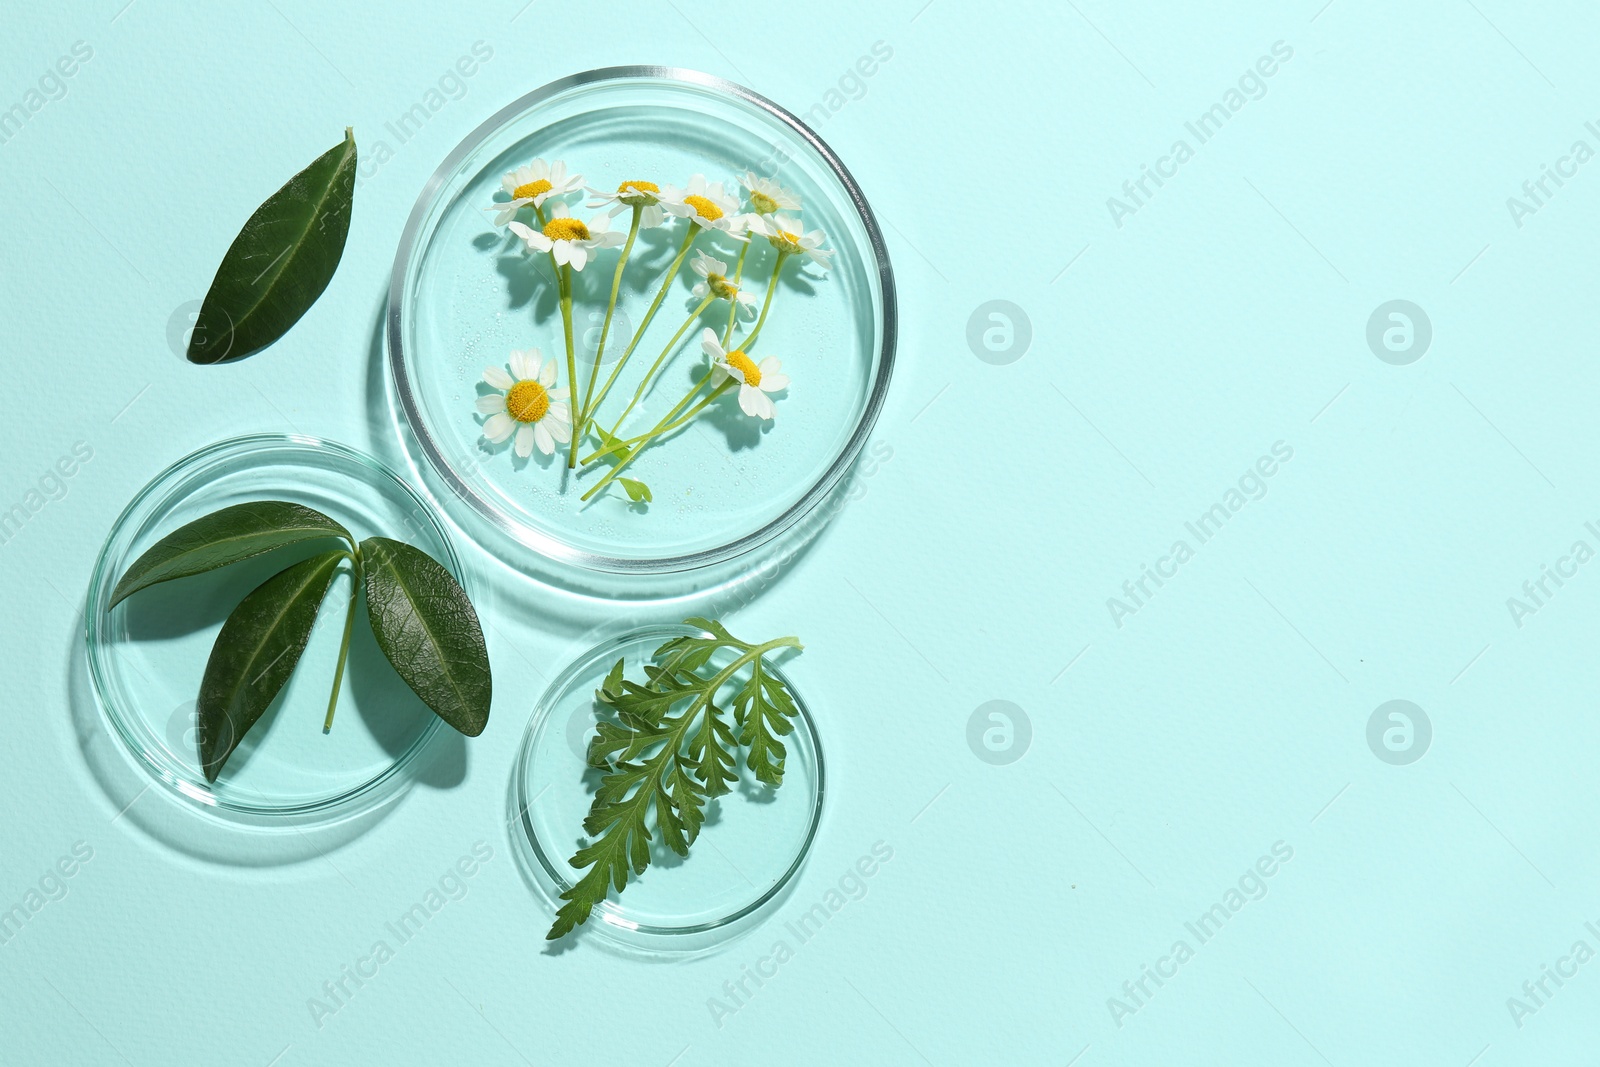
[
  {"x": 755, "y": 380},
  {"x": 706, "y": 204},
  {"x": 716, "y": 283},
  {"x": 567, "y": 238},
  {"x": 767, "y": 196},
  {"x": 526, "y": 405},
  {"x": 789, "y": 236},
  {"x": 533, "y": 184},
  {"x": 632, "y": 193}
]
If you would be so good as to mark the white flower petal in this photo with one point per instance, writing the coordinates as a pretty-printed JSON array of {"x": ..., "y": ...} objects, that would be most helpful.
[
  {"x": 750, "y": 401},
  {"x": 538, "y": 435},
  {"x": 519, "y": 364},
  {"x": 547, "y": 373},
  {"x": 774, "y": 383},
  {"x": 498, "y": 427},
  {"x": 652, "y": 216},
  {"x": 524, "y": 443},
  {"x": 559, "y": 430},
  {"x": 709, "y": 345},
  {"x": 492, "y": 404},
  {"x": 577, "y": 255},
  {"x": 498, "y": 378}
]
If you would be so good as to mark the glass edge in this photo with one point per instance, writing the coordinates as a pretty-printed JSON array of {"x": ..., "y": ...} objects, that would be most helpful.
[
  {"x": 243, "y": 444},
  {"x": 543, "y": 543},
  {"x": 661, "y": 935}
]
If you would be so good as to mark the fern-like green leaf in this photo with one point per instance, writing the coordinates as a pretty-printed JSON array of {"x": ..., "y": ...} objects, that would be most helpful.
[{"x": 669, "y": 751}]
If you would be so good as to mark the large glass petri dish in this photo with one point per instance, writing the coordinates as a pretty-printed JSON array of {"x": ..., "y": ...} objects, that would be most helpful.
[
  {"x": 753, "y": 842},
  {"x": 147, "y": 655},
  {"x": 463, "y": 295}
]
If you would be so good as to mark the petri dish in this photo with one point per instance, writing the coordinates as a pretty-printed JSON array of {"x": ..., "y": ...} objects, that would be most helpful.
[
  {"x": 753, "y": 842},
  {"x": 147, "y": 656},
  {"x": 464, "y": 294}
]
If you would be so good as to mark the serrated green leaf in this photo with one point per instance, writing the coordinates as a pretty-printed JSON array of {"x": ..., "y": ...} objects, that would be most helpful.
[
  {"x": 256, "y": 652},
  {"x": 613, "y": 682},
  {"x": 762, "y": 709},
  {"x": 429, "y": 632},
  {"x": 668, "y": 754},
  {"x": 223, "y": 537},
  {"x": 280, "y": 262}
]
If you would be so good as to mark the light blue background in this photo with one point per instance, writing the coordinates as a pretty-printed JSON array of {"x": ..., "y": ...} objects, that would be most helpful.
[{"x": 1168, "y": 354}]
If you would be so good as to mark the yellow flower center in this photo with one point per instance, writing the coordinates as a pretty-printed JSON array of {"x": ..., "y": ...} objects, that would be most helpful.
[
  {"x": 744, "y": 365},
  {"x": 704, "y": 208},
  {"x": 530, "y": 190},
  {"x": 638, "y": 187},
  {"x": 565, "y": 229},
  {"x": 721, "y": 287},
  {"x": 763, "y": 203},
  {"x": 527, "y": 401}
]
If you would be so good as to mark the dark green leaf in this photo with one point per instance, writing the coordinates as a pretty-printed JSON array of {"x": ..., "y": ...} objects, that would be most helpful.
[
  {"x": 281, "y": 261},
  {"x": 225, "y": 537},
  {"x": 426, "y": 627},
  {"x": 256, "y": 652}
]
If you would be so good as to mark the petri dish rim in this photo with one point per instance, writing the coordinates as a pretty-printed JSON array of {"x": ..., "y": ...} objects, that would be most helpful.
[
  {"x": 623, "y": 930},
  {"x": 334, "y": 805},
  {"x": 545, "y": 544}
]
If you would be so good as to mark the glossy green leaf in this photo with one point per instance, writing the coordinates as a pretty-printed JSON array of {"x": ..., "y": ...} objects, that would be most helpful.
[
  {"x": 256, "y": 652},
  {"x": 427, "y": 628},
  {"x": 281, "y": 261},
  {"x": 223, "y": 537},
  {"x": 637, "y": 491}
]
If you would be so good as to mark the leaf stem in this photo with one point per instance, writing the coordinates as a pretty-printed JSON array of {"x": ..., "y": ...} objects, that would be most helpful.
[
  {"x": 354, "y": 555},
  {"x": 581, "y": 422}
]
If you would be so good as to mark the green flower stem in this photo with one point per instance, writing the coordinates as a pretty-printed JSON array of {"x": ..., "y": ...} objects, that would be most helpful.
[
  {"x": 354, "y": 556},
  {"x": 572, "y": 364},
  {"x": 766, "y": 305},
  {"x": 682, "y": 420},
  {"x": 564, "y": 288},
  {"x": 582, "y": 419},
  {"x": 733, "y": 305},
  {"x": 657, "y": 431},
  {"x": 638, "y": 334},
  {"x": 638, "y": 394}
]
